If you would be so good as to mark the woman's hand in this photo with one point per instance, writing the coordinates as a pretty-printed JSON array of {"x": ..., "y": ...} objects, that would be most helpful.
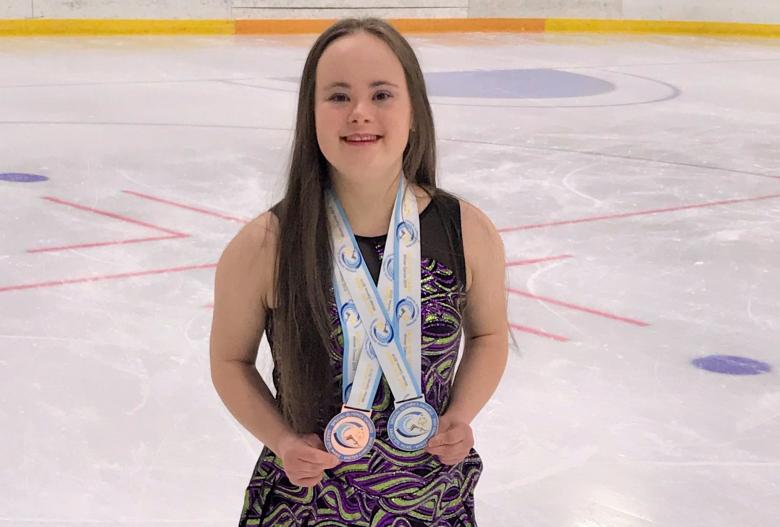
[
  {"x": 304, "y": 459},
  {"x": 453, "y": 441}
]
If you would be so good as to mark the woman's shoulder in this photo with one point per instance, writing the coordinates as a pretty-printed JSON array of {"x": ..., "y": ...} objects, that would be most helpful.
[
  {"x": 482, "y": 243},
  {"x": 471, "y": 217},
  {"x": 257, "y": 238},
  {"x": 474, "y": 218},
  {"x": 249, "y": 259}
]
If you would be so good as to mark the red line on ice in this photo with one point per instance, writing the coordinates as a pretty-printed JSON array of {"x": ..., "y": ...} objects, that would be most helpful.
[
  {"x": 639, "y": 213},
  {"x": 114, "y": 215},
  {"x": 578, "y": 308},
  {"x": 188, "y": 207},
  {"x": 537, "y": 260},
  {"x": 55, "y": 283},
  {"x": 171, "y": 233},
  {"x": 102, "y": 244},
  {"x": 538, "y": 332}
]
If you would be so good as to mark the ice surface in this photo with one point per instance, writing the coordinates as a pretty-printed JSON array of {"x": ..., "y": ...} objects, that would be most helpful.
[{"x": 639, "y": 175}]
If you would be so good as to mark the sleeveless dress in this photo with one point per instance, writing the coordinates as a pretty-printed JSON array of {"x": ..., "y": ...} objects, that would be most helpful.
[{"x": 388, "y": 487}]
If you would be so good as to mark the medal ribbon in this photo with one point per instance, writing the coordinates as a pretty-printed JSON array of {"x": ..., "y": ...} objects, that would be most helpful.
[{"x": 381, "y": 323}]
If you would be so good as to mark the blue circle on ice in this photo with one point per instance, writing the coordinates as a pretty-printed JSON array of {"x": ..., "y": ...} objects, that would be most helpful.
[
  {"x": 529, "y": 83},
  {"x": 515, "y": 84},
  {"x": 731, "y": 365},
  {"x": 16, "y": 177}
]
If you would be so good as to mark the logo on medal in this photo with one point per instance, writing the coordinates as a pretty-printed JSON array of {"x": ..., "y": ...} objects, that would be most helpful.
[
  {"x": 350, "y": 435},
  {"x": 384, "y": 334},
  {"x": 412, "y": 424},
  {"x": 406, "y": 310},
  {"x": 350, "y": 315},
  {"x": 406, "y": 232},
  {"x": 350, "y": 258}
]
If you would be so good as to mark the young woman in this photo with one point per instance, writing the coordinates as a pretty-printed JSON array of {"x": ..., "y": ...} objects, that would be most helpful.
[{"x": 370, "y": 425}]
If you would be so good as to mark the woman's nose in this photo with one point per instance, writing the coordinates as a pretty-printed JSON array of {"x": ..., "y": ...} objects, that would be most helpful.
[{"x": 360, "y": 112}]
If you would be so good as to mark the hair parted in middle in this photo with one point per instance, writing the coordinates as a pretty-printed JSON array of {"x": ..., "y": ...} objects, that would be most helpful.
[{"x": 302, "y": 318}]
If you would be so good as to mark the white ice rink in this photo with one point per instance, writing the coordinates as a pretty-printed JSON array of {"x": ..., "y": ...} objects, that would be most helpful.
[{"x": 636, "y": 180}]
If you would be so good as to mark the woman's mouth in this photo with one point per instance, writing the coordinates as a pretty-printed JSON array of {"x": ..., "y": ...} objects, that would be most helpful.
[{"x": 361, "y": 139}]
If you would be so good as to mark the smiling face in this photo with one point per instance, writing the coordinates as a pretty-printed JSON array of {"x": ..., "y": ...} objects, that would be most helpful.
[{"x": 362, "y": 109}]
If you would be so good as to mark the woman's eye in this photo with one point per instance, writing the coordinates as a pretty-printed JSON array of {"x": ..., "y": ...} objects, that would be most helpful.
[{"x": 341, "y": 97}]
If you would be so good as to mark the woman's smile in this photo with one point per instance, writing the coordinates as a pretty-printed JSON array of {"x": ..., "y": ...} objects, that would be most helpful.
[{"x": 361, "y": 139}]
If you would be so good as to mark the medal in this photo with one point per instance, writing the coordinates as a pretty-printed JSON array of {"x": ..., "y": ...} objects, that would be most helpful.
[
  {"x": 412, "y": 424},
  {"x": 381, "y": 327},
  {"x": 350, "y": 435}
]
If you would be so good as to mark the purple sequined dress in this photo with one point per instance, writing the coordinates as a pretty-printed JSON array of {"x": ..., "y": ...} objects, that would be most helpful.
[{"x": 388, "y": 486}]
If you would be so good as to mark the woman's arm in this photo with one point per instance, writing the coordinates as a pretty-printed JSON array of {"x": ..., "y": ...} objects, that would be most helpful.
[
  {"x": 486, "y": 336},
  {"x": 243, "y": 281},
  {"x": 243, "y": 290},
  {"x": 485, "y": 320}
]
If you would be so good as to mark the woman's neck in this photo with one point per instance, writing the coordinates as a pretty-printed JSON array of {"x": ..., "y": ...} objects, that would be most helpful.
[{"x": 368, "y": 204}]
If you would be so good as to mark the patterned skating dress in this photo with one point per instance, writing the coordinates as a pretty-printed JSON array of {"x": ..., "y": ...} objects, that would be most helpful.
[{"x": 388, "y": 487}]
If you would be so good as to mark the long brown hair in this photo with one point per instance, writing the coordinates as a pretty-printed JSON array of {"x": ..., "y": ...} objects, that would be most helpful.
[{"x": 302, "y": 329}]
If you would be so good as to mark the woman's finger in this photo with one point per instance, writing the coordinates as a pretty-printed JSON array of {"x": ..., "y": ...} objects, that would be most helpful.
[
  {"x": 444, "y": 449},
  {"x": 299, "y": 469},
  {"x": 448, "y": 453},
  {"x": 452, "y": 461},
  {"x": 453, "y": 436},
  {"x": 301, "y": 473},
  {"x": 306, "y": 482},
  {"x": 311, "y": 464},
  {"x": 317, "y": 454}
]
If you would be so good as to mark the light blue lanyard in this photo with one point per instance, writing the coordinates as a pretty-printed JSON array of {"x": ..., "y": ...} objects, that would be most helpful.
[{"x": 381, "y": 324}]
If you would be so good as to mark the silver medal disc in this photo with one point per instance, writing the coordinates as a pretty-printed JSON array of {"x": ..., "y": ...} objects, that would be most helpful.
[{"x": 412, "y": 424}]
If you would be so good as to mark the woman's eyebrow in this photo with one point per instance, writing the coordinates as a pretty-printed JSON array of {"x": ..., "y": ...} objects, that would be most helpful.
[{"x": 341, "y": 84}]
